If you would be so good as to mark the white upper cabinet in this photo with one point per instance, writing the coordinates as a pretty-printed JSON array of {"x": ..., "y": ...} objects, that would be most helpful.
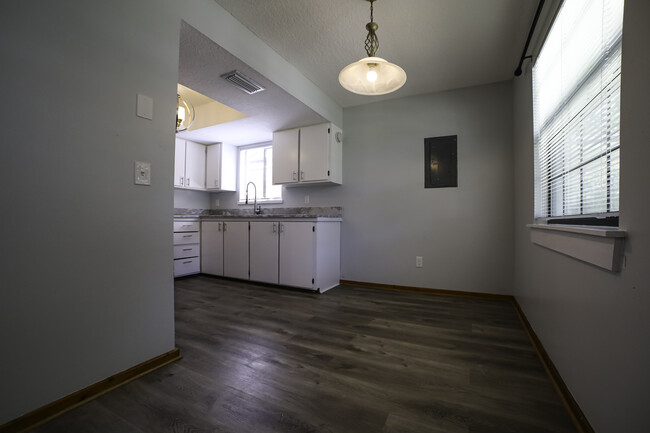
[
  {"x": 285, "y": 156},
  {"x": 194, "y": 165},
  {"x": 189, "y": 165},
  {"x": 221, "y": 167},
  {"x": 312, "y": 154},
  {"x": 212, "y": 167},
  {"x": 179, "y": 163}
]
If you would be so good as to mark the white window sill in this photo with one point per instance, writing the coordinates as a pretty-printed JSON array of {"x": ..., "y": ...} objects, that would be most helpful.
[
  {"x": 250, "y": 202},
  {"x": 600, "y": 246}
]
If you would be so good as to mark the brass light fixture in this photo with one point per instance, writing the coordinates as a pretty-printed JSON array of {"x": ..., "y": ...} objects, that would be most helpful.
[
  {"x": 184, "y": 114},
  {"x": 372, "y": 75}
]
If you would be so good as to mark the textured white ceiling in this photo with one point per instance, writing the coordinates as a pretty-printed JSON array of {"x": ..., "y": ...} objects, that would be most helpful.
[
  {"x": 441, "y": 44},
  {"x": 201, "y": 64}
]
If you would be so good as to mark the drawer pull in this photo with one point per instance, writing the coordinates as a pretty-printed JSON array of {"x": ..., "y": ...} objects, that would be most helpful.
[
  {"x": 187, "y": 236},
  {"x": 185, "y": 263},
  {"x": 187, "y": 249}
]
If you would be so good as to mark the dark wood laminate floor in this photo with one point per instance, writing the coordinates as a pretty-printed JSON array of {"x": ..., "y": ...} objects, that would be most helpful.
[{"x": 263, "y": 359}]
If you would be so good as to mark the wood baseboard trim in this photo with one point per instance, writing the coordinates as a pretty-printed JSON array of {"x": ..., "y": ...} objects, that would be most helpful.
[
  {"x": 578, "y": 417},
  {"x": 571, "y": 405},
  {"x": 426, "y": 290},
  {"x": 83, "y": 396}
]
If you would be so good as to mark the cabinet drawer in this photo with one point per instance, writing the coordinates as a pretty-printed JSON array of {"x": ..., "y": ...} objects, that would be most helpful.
[
  {"x": 187, "y": 266},
  {"x": 186, "y": 226},
  {"x": 187, "y": 238},
  {"x": 182, "y": 251}
]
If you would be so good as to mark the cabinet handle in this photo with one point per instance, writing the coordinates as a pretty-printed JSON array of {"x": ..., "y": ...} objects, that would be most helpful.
[
  {"x": 295, "y": 176},
  {"x": 185, "y": 263},
  {"x": 219, "y": 227},
  {"x": 188, "y": 182},
  {"x": 182, "y": 180},
  {"x": 302, "y": 175},
  {"x": 186, "y": 225},
  {"x": 274, "y": 228},
  {"x": 224, "y": 227},
  {"x": 187, "y": 236},
  {"x": 281, "y": 227},
  {"x": 187, "y": 249}
]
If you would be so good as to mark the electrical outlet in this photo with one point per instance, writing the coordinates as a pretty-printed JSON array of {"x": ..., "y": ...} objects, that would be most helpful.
[
  {"x": 418, "y": 261},
  {"x": 306, "y": 199}
]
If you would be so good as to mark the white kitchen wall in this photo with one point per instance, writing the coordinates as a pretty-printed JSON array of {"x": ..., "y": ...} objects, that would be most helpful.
[
  {"x": 188, "y": 199},
  {"x": 595, "y": 324}
]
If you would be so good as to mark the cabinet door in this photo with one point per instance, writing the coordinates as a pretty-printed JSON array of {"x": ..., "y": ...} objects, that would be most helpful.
[
  {"x": 264, "y": 251},
  {"x": 285, "y": 156},
  {"x": 212, "y": 247},
  {"x": 297, "y": 254},
  {"x": 179, "y": 163},
  {"x": 194, "y": 165},
  {"x": 213, "y": 166},
  {"x": 235, "y": 249},
  {"x": 314, "y": 153}
]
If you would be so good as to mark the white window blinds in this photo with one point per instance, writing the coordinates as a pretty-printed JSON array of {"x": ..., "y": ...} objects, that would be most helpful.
[{"x": 576, "y": 93}]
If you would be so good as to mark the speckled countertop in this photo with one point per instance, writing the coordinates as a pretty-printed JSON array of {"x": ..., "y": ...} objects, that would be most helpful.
[{"x": 334, "y": 213}]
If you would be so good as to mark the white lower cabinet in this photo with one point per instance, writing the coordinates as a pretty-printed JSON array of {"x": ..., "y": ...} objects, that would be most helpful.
[
  {"x": 291, "y": 253},
  {"x": 235, "y": 249},
  {"x": 310, "y": 255},
  {"x": 212, "y": 247},
  {"x": 297, "y": 242},
  {"x": 264, "y": 242},
  {"x": 187, "y": 248}
]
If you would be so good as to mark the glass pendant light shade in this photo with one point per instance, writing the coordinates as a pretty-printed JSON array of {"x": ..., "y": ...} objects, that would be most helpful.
[{"x": 372, "y": 76}]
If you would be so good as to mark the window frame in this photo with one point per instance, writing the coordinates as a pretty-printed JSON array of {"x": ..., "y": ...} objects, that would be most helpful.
[
  {"x": 544, "y": 176},
  {"x": 241, "y": 200}
]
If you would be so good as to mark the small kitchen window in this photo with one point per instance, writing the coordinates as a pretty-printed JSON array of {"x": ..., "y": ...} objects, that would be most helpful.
[{"x": 256, "y": 165}]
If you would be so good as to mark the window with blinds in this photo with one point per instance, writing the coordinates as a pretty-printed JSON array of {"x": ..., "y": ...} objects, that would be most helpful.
[{"x": 576, "y": 101}]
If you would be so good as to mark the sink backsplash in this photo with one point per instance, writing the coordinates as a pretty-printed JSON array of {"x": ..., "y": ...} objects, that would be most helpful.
[{"x": 328, "y": 211}]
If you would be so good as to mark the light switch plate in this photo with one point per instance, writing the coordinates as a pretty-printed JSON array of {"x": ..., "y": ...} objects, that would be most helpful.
[
  {"x": 142, "y": 173},
  {"x": 144, "y": 107}
]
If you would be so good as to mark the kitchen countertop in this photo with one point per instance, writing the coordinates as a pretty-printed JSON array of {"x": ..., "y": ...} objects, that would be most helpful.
[{"x": 297, "y": 213}]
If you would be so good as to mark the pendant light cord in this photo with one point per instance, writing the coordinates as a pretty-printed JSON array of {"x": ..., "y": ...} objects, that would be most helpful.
[{"x": 372, "y": 42}]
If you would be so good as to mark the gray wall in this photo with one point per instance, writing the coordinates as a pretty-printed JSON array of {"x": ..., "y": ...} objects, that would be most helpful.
[
  {"x": 464, "y": 234},
  {"x": 593, "y": 323},
  {"x": 86, "y": 268},
  {"x": 87, "y": 288}
]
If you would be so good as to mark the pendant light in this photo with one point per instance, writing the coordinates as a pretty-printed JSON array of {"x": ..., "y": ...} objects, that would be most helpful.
[
  {"x": 372, "y": 75},
  {"x": 184, "y": 114}
]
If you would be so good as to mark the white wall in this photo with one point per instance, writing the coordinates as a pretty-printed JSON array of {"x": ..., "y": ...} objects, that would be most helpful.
[
  {"x": 464, "y": 234},
  {"x": 87, "y": 288},
  {"x": 86, "y": 268},
  {"x": 188, "y": 199},
  {"x": 595, "y": 324}
]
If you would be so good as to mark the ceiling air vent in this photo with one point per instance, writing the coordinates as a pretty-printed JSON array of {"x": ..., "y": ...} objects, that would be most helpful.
[{"x": 243, "y": 82}]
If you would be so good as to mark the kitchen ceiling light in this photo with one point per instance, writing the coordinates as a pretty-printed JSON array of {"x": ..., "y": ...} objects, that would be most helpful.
[
  {"x": 372, "y": 75},
  {"x": 184, "y": 114}
]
